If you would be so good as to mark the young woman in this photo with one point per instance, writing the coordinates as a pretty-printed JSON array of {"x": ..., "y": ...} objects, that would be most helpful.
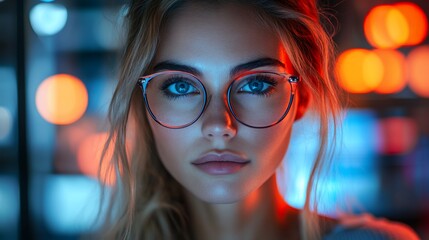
[{"x": 202, "y": 117}]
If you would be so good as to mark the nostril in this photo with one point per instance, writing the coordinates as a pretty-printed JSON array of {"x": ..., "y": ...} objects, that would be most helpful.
[{"x": 225, "y": 135}]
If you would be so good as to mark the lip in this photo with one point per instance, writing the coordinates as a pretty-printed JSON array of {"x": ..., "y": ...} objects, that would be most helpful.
[{"x": 224, "y": 163}]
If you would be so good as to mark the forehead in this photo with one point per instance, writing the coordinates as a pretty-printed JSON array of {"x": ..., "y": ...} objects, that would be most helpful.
[{"x": 217, "y": 37}]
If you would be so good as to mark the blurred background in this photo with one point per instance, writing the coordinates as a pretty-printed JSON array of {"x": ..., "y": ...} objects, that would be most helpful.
[{"x": 58, "y": 67}]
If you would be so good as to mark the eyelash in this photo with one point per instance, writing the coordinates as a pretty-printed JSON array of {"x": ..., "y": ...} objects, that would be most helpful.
[
  {"x": 173, "y": 80},
  {"x": 264, "y": 79},
  {"x": 272, "y": 82}
]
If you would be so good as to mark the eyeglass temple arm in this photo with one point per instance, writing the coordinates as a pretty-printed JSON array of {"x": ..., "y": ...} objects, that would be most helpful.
[{"x": 294, "y": 80}]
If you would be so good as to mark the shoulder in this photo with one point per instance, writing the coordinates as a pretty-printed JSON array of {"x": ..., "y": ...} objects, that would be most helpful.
[{"x": 367, "y": 227}]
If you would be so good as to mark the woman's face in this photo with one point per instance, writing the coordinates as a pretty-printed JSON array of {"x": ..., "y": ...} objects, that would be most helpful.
[{"x": 214, "y": 40}]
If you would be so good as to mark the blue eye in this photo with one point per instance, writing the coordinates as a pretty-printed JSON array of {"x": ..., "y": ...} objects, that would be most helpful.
[
  {"x": 259, "y": 85},
  {"x": 178, "y": 87}
]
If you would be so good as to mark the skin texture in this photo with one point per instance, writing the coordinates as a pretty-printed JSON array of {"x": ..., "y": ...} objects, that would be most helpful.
[{"x": 215, "y": 39}]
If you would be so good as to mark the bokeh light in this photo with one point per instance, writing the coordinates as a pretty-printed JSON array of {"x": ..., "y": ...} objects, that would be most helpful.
[
  {"x": 8, "y": 104},
  {"x": 355, "y": 174},
  {"x": 61, "y": 99},
  {"x": 397, "y": 26},
  {"x": 386, "y": 27},
  {"x": 5, "y": 123},
  {"x": 397, "y": 135},
  {"x": 68, "y": 139},
  {"x": 71, "y": 204},
  {"x": 359, "y": 70},
  {"x": 48, "y": 18},
  {"x": 71, "y": 136},
  {"x": 89, "y": 155},
  {"x": 417, "y": 68},
  {"x": 393, "y": 80},
  {"x": 392, "y": 26},
  {"x": 9, "y": 203},
  {"x": 416, "y": 20}
]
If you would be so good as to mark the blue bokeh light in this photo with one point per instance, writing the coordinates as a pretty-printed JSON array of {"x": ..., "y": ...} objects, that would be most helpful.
[
  {"x": 351, "y": 184},
  {"x": 9, "y": 202},
  {"x": 71, "y": 204},
  {"x": 8, "y": 104},
  {"x": 48, "y": 18}
]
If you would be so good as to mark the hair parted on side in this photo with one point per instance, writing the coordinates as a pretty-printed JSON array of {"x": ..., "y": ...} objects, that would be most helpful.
[{"x": 146, "y": 202}]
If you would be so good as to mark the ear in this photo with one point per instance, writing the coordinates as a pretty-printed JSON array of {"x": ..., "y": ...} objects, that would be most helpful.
[{"x": 304, "y": 99}]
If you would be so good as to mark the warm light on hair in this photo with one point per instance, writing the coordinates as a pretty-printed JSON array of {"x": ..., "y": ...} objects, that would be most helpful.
[{"x": 62, "y": 99}]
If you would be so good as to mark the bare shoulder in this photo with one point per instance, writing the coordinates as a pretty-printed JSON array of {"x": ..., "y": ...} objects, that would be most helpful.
[{"x": 367, "y": 227}]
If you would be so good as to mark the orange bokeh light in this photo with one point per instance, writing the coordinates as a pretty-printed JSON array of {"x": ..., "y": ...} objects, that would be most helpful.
[
  {"x": 61, "y": 99},
  {"x": 417, "y": 66},
  {"x": 359, "y": 70},
  {"x": 397, "y": 26},
  {"x": 393, "y": 80},
  {"x": 392, "y": 26},
  {"x": 417, "y": 22},
  {"x": 385, "y": 27},
  {"x": 89, "y": 156}
]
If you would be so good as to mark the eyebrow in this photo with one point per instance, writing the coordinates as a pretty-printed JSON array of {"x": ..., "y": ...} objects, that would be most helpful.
[{"x": 261, "y": 62}]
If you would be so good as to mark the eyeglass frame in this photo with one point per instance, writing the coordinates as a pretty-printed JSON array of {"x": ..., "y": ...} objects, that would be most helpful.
[{"x": 143, "y": 81}]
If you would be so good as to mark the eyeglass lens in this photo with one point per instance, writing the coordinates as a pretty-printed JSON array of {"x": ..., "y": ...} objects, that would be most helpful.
[{"x": 176, "y": 99}]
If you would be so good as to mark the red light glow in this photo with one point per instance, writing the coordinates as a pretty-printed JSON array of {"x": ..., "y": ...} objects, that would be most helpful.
[{"x": 398, "y": 135}]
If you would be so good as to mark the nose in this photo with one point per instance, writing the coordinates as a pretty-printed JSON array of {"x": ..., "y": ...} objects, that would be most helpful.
[{"x": 218, "y": 123}]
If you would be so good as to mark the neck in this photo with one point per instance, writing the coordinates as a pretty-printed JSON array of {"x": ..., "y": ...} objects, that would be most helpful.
[{"x": 263, "y": 214}]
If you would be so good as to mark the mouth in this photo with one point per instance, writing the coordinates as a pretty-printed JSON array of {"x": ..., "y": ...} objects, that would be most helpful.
[{"x": 220, "y": 163}]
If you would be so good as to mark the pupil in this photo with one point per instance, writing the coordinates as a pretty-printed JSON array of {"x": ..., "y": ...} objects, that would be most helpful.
[
  {"x": 182, "y": 87},
  {"x": 255, "y": 86}
]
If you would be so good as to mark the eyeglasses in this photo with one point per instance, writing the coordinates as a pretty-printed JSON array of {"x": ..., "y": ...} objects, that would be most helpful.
[{"x": 257, "y": 99}]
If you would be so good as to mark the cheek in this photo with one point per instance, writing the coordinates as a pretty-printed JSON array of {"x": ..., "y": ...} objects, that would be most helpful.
[
  {"x": 167, "y": 142},
  {"x": 273, "y": 145},
  {"x": 270, "y": 144},
  {"x": 277, "y": 138},
  {"x": 172, "y": 145}
]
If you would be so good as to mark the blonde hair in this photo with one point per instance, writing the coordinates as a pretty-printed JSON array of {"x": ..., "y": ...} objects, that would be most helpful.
[{"x": 146, "y": 202}]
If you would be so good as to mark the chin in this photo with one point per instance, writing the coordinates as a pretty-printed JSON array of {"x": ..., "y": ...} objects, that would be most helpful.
[{"x": 220, "y": 194}]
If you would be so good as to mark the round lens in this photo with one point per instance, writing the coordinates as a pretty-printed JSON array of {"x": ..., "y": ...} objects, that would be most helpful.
[
  {"x": 260, "y": 99},
  {"x": 175, "y": 99}
]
